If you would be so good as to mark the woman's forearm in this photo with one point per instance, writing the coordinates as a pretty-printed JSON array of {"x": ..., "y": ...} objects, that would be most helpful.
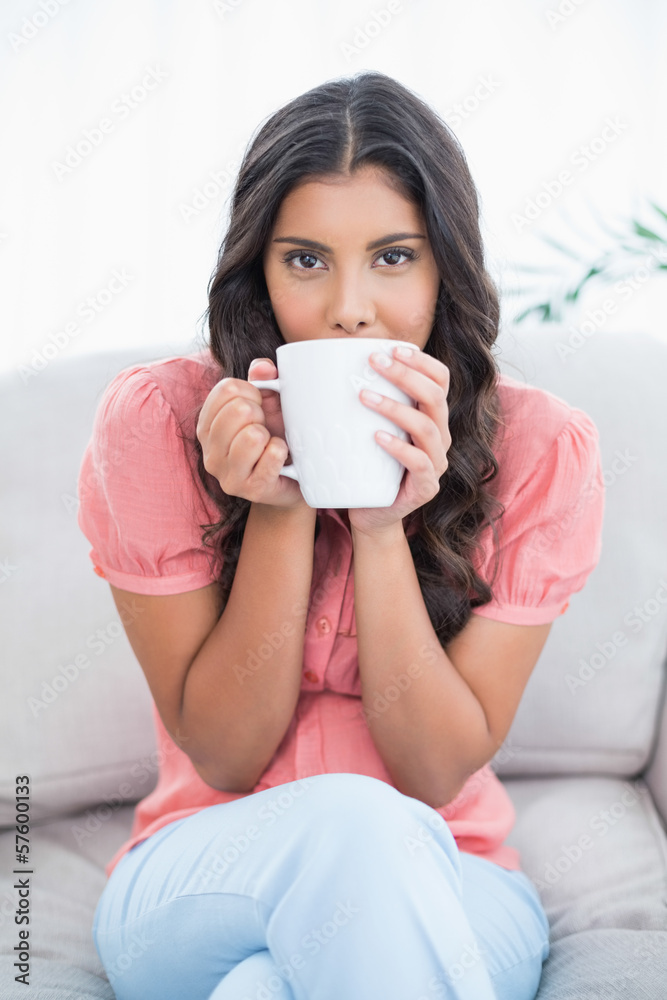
[
  {"x": 242, "y": 688},
  {"x": 428, "y": 726}
]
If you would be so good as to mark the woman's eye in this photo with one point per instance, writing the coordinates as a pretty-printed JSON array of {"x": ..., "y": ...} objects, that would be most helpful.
[
  {"x": 303, "y": 256},
  {"x": 409, "y": 254},
  {"x": 394, "y": 252}
]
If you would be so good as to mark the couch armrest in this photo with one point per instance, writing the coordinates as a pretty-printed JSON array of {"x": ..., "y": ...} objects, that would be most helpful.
[{"x": 655, "y": 774}]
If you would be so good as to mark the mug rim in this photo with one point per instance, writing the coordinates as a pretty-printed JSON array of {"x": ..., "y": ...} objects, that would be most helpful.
[{"x": 356, "y": 340}]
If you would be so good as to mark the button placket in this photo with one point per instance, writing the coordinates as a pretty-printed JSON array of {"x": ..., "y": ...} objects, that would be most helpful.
[
  {"x": 323, "y": 625},
  {"x": 322, "y": 629}
]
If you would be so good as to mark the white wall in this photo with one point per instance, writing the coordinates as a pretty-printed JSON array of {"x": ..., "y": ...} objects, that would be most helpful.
[{"x": 219, "y": 69}]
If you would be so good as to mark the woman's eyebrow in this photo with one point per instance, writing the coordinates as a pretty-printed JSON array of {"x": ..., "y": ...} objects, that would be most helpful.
[{"x": 314, "y": 245}]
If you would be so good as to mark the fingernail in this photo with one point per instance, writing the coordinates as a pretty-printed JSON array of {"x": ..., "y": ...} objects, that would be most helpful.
[
  {"x": 404, "y": 352},
  {"x": 372, "y": 397}
]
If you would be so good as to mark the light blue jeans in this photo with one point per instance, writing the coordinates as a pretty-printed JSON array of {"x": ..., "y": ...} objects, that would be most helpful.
[{"x": 335, "y": 887}]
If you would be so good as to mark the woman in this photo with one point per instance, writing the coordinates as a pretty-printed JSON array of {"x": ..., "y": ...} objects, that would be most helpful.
[{"x": 329, "y": 687}]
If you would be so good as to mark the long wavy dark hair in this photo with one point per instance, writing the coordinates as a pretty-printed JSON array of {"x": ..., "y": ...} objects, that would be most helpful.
[{"x": 337, "y": 128}]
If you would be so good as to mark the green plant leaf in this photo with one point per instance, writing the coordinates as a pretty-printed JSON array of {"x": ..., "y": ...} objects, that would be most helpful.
[
  {"x": 659, "y": 210},
  {"x": 543, "y": 308},
  {"x": 646, "y": 233},
  {"x": 591, "y": 273},
  {"x": 635, "y": 240},
  {"x": 632, "y": 248}
]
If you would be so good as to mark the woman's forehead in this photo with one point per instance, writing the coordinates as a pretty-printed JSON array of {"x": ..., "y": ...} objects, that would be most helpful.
[{"x": 366, "y": 198}]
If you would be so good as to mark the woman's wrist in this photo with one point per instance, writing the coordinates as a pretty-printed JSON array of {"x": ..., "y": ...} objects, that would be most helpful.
[{"x": 298, "y": 512}]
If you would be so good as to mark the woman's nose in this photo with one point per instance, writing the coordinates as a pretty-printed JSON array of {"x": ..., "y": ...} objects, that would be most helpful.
[{"x": 351, "y": 310}]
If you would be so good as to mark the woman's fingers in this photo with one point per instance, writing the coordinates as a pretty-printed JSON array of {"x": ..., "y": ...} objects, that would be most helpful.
[
  {"x": 255, "y": 455},
  {"x": 239, "y": 448},
  {"x": 426, "y": 380},
  {"x": 222, "y": 393},
  {"x": 232, "y": 418},
  {"x": 262, "y": 368}
]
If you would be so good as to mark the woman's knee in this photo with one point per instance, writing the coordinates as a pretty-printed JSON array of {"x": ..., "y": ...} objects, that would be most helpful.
[
  {"x": 351, "y": 795},
  {"x": 358, "y": 802}
]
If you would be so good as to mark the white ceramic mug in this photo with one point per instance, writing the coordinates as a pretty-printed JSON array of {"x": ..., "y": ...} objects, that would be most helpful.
[{"x": 329, "y": 431}]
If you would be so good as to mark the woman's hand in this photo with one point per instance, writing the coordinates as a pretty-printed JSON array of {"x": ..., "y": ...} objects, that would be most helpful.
[
  {"x": 242, "y": 435},
  {"x": 426, "y": 380}
]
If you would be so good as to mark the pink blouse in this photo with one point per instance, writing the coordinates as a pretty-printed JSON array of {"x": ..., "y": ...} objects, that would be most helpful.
[{"x": 140, "y": 509}]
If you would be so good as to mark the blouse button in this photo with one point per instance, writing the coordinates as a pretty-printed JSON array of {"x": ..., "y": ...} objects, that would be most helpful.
[
  {"x": 311, "y": 676},
  {"x": 99, "y": 572},
  {"x": 324, "y": 625}
]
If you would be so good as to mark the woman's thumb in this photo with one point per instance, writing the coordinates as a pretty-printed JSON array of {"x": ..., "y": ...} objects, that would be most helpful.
[{"x": 262, "y": 368}]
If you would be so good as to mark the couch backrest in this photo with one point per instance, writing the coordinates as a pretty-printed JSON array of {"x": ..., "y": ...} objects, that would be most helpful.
[
  {"x": 593, "y": 701},
  {"x": 77, "y": 715}
]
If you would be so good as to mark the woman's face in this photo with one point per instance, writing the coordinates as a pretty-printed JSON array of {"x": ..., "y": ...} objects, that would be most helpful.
[{"x": 351, "y": 258}]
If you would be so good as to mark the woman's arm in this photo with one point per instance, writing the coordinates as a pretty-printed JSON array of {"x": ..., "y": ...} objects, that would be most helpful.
[
  {"x": 452, "y": 708},
  {"x": 449, "y": 718},
  {"x": 226, "y": 686},
  {"x": 237, "y": 703}
]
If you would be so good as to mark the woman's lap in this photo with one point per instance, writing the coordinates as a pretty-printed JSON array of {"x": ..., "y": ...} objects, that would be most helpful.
[{"x": 283, "y": 894}]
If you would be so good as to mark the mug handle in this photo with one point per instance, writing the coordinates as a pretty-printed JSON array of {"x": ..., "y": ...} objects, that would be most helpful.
[{"x": 274, "y": 383}]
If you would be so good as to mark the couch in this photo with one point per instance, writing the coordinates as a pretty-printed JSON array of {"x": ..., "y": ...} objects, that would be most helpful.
[{"x": 585, "y": 761}]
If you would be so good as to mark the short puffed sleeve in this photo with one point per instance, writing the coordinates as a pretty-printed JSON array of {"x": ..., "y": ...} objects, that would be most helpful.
[
  {"x": 139, "y": 506},
  {"x": 550, "y": 535}
]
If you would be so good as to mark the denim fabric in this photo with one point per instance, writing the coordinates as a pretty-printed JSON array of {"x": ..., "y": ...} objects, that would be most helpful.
[{"x": 332, "y": 886}]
